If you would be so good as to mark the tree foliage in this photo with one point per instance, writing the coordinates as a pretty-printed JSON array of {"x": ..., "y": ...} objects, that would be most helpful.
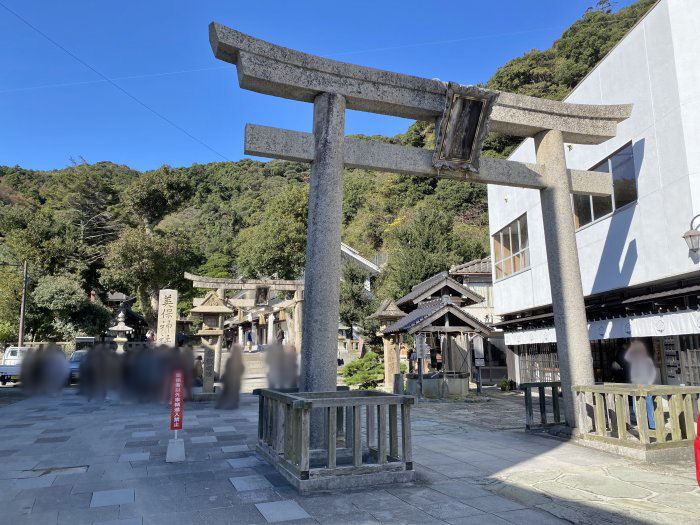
[{"x": 365, "y": 373}]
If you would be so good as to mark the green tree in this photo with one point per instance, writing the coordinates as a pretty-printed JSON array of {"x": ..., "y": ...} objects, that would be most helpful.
[
  {"x": 356, "y": 302},
  {"x": 365, "y": 373},
  {"x": 67, "y": 310},
  {"x": 276, "y": 246},
  {"x": 421, "y": 246},
  {"x": 143, "y": 262}
]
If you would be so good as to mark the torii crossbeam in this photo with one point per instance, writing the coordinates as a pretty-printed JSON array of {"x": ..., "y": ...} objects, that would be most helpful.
[{"x": 334, "y": 86}]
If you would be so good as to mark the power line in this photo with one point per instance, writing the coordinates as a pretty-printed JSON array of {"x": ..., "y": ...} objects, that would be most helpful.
[
  {"x": 100, "y": 81},
  {"x": 107, "y": 79}
]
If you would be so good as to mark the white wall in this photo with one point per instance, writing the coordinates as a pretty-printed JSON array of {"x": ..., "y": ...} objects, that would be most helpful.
[{"x": 658, "y": 70}]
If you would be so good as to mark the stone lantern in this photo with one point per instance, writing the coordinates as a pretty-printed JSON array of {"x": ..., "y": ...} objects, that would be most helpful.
[
  {"x": 120, "y": 329},
  {"x": 213, "y": 311},
  {"x": 387, "y": 313}
]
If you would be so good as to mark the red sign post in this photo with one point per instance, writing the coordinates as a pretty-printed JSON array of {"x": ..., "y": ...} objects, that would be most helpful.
[{"x": 176, "y": 402}]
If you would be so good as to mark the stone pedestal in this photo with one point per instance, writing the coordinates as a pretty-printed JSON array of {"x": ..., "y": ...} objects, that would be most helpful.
[
  {"x": 176, "y": 451},
  {"x": 321, "y": 278},
  {"x": 208, "y": 369},
  {"x": 392, "y": 364},
  {"x": 571, "y": 325}
]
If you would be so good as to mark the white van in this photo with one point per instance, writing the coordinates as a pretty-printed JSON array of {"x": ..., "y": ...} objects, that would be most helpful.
[{"x": 11, "y": 363}]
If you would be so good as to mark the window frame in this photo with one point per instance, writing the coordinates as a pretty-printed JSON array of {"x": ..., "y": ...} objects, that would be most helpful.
[
  {"x": 607, "y": 160},
  {"x": 522, "y": 253}
]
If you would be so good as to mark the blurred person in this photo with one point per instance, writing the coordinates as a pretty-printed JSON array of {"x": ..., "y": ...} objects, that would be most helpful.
[
  {"x": 55, "y": 370},
  {"x": 198, "y": 371},
  {"x": 642, "y": 371},
  {"x": 230, "y": 395},
  {"x": 275, "y": 360},
  {"x": 27, "y": 372}
]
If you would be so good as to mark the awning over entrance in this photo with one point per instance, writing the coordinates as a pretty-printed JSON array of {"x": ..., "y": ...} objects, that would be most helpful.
[{"x": 657, "y": 325}]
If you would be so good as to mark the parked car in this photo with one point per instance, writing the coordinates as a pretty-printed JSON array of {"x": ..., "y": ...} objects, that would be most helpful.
[
  {"x": 12, "y": 363},
  {"x": 74, "y": 363}
]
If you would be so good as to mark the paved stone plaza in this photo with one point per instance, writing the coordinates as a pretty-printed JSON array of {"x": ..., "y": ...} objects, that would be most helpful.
[{"x": 67, "y": 460}]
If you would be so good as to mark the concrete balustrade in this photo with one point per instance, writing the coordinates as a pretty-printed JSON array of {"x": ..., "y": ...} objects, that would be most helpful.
[
  {"x": 555, "y": 388},
  {"x": 649, "y": 422}
]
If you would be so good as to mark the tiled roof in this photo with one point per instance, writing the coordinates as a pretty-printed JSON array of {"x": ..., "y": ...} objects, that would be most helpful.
[
  {"x": 387, "y": 310},
  {"x": 428, "y": 309},
  {"x": 435, "y": 280},
  {"x": 475, "y": 266}
]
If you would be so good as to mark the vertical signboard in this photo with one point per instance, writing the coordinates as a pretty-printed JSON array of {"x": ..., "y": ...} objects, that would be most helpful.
[
  {"x": 176, "y": 402},
  {"x": 167, "y": 317}
]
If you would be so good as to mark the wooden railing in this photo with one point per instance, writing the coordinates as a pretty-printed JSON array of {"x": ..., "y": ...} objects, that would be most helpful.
[
  {"x": 284, "y": 422},
  {"x": 554, "y": 387},
  {"x": 641, "y": 416}
]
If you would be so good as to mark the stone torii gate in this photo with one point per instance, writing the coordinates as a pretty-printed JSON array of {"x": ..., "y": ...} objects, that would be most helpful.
[
  {"x": 221, "y": 284},
  {"x": 333, "y": 87}
]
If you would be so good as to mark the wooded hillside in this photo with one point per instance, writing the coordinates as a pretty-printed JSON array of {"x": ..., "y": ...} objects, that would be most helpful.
[{"x": 107, "y": 227}]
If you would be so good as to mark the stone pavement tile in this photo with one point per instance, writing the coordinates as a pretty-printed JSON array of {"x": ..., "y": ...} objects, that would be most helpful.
[
  {"x": 18, "y": 506},
  {"x": 493, "y": 504},
  {"x": 224, "y": 428},
  {"x": 247, "y": 462},
  {"x": 481, "y": 519},
  {"x": 680, "y": 501},
  {"x": 172, "y": 518},
  {"x": 238, "y": 514},
  {"x": 141, "y": 443},
  {"x": 603, "y": 485},
  {"x": 103, "y": 498},
  {"x": 34, "y": 483},
  {"x": 406, "y": 515},
  {"x": 235, "y": 448},
  {"x": 207, "y": 487},
  {"x": 353, "y": 518},
  {"x": 460, "y": 490},
  {"x": 127, "y": 521},
  {"x": 144, "y": 434},
  {"x": 91, "y": 485},
  {"x": 135, "y": 456},
  {"x": 126, "y": 473},
  {"x": 53, "y": 439},
  {"x": 327, "y": 505},
  {"x": 78, "y": 516},
  {"x": 451, "y": 509},
  {"x": 420, "y": 497},
  {"x": 285, "y": 510},
  {"x": 259, "y": 496},
  {"x": 144, "y": 493},
  {"x": 50, "y": 502},
  {"x": 203, "y": 439},
  {"x": 37, "y": 518},
  {"x": 254, "y": 482},
  {"x": 530, "y": 517}
]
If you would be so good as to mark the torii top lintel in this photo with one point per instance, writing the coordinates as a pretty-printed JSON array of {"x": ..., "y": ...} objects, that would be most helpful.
[{"x": 275, "y": 70}]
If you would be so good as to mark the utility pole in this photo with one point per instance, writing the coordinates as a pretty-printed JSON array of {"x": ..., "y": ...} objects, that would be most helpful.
[{"x": 23, "y": 305}]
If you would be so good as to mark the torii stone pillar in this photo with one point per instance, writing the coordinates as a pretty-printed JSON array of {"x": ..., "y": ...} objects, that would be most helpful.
[
  {"x": 570, "y": 323},
  {"x": 221, "y": 292},
  {"x": 319, "y": 340}
]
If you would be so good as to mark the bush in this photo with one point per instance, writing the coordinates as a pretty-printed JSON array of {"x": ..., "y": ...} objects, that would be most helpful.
[
  {"x": 365, "y": 373},
  {"x": 507, "y": 384}
]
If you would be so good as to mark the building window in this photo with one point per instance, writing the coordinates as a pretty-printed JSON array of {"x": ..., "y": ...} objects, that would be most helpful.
[
  {"x": 588, "y": 208},
  {"x": 510, "y": 248}
]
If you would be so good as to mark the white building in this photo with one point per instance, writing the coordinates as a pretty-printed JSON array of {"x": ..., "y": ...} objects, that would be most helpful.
[{"x": 639, "y": 278}]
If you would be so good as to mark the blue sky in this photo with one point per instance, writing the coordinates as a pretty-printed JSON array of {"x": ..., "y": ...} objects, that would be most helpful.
[{"x": 53, "y": 108}]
